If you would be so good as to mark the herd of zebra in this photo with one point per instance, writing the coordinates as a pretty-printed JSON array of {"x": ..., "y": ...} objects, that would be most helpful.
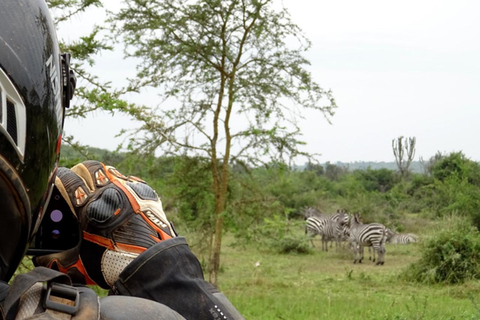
[{"x": 342, "y": 226}]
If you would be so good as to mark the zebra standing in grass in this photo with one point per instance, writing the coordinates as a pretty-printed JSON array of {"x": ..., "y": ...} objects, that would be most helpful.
[
  {"x": 337, "y": 228},
  {"x": 389, "y": 235},
  {"x": 315, "y": 221},
  {"x": 315, "y": 225},
  {"x": 367, "y": 235},
  {"x": 330, "y": 227}
]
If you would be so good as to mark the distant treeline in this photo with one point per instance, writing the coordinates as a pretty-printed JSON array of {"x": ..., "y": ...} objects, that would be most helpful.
[
  {"x": 415, "y": 166},
  {"x": 101, "y": 154}
]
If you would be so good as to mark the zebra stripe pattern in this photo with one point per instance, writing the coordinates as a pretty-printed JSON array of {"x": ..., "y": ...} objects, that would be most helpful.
[
  {"x": 333, "y": 227},
  {"x": 314, "y": 226},
  {"x": 403, "y": 238},
  {"x": 367, "y": 235},
  {"x": 339, "y": 230}
]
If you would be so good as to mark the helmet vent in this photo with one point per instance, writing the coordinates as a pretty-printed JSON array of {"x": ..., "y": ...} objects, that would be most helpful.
[
  {"x": 13, "y": 115},
  {"x": 12, "y": 121}
]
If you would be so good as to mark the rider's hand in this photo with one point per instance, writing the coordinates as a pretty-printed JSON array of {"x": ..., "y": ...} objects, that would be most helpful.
[{"x": 120, "y": 217}]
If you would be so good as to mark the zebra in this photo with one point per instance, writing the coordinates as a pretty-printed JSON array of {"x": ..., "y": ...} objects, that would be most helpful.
[
  {"x": 315, "y": 225},
  {"x": 389, "y": 234},
  {"x": 333, "y": 227},
  {"x": 403, "y": 238},
  {"x": 339, "y": 229},
  {"x": 366, "y": 235}
]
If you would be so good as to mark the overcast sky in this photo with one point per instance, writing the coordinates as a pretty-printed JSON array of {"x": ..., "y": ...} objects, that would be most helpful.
[{"x": 396, "y": 68}]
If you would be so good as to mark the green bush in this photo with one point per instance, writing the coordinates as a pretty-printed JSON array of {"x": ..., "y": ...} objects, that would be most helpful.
[
  {"x": 449, "y": 257},
  {"x": 456, "y": 163},
  {"x": 277, "y": 234},
  {"x": 380, "y": 180},
  {"x": 293, "y": 245},
  {"x": 455, "y": 196}
]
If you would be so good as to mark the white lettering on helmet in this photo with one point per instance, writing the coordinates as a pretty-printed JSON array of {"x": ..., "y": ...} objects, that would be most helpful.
[{"x": 56, "y": 87}]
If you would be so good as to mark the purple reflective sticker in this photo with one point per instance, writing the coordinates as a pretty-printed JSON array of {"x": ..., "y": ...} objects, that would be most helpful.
[{"x": 56, "y": 215}]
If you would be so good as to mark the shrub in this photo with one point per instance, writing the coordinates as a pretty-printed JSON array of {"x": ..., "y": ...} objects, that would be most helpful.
[
  {"x": 293, "y": 245},
  {"x": 456, "y": 163},
  {"x": 380, "y": 180},
  {"x": 277, "y": 234},
  {"x": 455, "y": 195},
  {"x": 449, "y": 257}
]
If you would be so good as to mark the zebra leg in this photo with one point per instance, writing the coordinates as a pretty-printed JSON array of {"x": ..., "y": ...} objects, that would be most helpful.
[
  {"x": 381, "y": 252},
  {"x": 361, "y": 253},
  {"x": 381, "y": 256},
  {"x": 355, "y": 251},
  {"x": 308, "y": 235}
]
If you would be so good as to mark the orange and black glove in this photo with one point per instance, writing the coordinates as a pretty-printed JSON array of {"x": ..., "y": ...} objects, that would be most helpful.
[{"x": 119, "y": 217}]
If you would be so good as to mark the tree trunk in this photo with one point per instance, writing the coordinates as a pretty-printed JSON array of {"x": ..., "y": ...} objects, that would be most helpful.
[{"x": 217, "y": 246}]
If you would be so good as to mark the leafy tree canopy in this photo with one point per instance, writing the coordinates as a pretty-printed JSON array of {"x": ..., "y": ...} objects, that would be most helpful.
[{"x": 222, "y": 61}]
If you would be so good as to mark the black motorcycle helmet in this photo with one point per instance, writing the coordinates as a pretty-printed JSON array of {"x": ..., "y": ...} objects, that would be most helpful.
[{"x": 35, "y": 88}]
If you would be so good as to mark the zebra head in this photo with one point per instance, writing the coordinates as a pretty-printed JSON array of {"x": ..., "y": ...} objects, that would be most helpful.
[
  {"x": 390, "y": 233},
  {"x": 343, "y": 218},
  {"x": 357, "y": 220}
]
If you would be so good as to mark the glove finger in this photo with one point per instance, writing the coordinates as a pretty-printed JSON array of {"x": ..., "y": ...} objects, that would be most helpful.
[
  {"x": 93, "y": 173},
  {"x": 146, "y": 203},
  {"x": 73, "y": 188}
]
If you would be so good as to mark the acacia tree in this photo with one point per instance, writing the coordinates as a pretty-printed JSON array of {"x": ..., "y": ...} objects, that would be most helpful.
[{"x": 235, "y": 85}]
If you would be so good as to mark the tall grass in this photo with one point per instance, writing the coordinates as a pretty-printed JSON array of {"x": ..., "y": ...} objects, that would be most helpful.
[{"x": 327, "y": 285}]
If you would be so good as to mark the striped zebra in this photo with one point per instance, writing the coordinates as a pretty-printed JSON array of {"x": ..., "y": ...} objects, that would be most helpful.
[
  {"x": 403, "y": 238},
  {"x": 339, "y": 229},
  {"x": 315, "y": 225},
  {"x": 389, "y": 234},
  {"x": 330, "y": 227},
  {"x": 314, "y": 220},
  {"x": 395, "y": 238},
  {"x": 367, "y": 235}
]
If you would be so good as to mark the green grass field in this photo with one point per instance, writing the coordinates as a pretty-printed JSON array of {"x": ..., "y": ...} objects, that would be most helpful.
[{"x": 327, "y": 285}]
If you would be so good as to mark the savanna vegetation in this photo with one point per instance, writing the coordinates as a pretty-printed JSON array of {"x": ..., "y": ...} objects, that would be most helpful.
[{"x": 269, "y": 269}]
